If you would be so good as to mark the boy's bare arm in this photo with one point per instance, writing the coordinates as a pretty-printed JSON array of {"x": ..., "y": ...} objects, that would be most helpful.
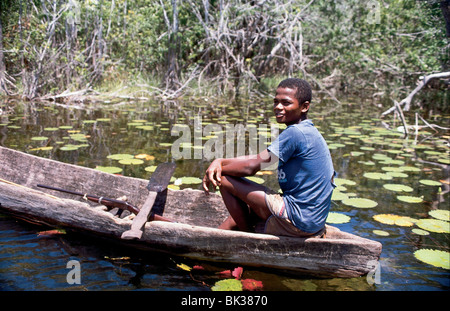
[{"x": 239, "y": 167}]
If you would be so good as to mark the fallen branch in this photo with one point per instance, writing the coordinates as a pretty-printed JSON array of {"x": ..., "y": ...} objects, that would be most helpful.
[{"x": 407, "y": 101}]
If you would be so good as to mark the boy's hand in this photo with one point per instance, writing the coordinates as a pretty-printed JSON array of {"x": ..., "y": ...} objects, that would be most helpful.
[{"x": 213, "y": 175}]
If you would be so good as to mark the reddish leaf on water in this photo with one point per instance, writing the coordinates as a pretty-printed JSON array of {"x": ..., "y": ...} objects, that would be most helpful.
[
  {"x": 51, "y": 232},
  {"x": 197, "y": 267},
  {"x": 226, "y": 273},
  {"x": 237, "y": 273},
  {"x": 250, "y": 284}
]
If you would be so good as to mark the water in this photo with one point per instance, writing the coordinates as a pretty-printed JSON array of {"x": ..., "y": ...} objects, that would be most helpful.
[{"x": 31, "y": 259}]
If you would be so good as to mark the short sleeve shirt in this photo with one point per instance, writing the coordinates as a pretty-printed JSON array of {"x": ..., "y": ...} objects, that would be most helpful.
[{"x": 305, "y": 172}]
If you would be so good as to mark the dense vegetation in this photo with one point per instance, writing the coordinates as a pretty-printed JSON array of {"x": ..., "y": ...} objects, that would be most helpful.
[{"x": 174, "y": 47}]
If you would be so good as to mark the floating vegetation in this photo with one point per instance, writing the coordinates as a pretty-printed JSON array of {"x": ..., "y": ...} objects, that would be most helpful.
[
  {"x": 434, "y": 257},
  {"x": 434, "y": 225},
  {"x": 360, "y": 202},
  {"x": 382, "y": 176},
  {"x": 39, "y": 138},
  {"x": 420, "y": 231},
  {"x": 120, "y": 156},
  {"x": 391, "y": 219},
  {"x": 188, "y": 181},
  {"x": 337, "y": 218},
  {"x": 132, "y": 161},
  {"x": 109, "y": 169},
  {"x": 398, "y": 187},
  {"x": 255, "y": 179},
  {"x": 150, "y": 168},
  {"x": 440, "y": 214},
  {"x": 409, "y": 199},
  {"x": 338, "y": 196},
  {"x": 429, "y": 182},
  {"x": 343, "y": 181},
  {"x": 381, "y": 232}
]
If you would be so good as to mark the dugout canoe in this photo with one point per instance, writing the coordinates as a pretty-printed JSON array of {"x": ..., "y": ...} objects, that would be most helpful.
[{"x": 194, "y": 235}]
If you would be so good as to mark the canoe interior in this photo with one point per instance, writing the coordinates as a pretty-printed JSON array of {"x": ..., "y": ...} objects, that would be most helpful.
[{"x": 186, "y": 206}]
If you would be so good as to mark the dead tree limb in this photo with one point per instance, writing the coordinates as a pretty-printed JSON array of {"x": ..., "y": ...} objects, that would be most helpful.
[{"x": 407, "y": 101}]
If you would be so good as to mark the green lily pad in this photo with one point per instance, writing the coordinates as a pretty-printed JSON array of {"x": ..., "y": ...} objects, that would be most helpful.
[
  {"x": 131, "y": 161},
  {"x": 397, "y": 174},
  {"x": 337, "y": 218},
  {"x": 255, "y": 179},
  {"x": 51, "y": 129},
  {"x": 382, "y": 176},
  {"x": 70, "y": 147},
  {"x": 434, "y": 257},
  {"x": 151, "y": 168},
  {"x": 429, "y": 182},
  {"x": 440, "y": 214},
  {"x": 409, "y": 199},
  {"x": 410, "y": 168},
  {"x": 360, "y": 202},
  {"x": 66, "y": 127},
  {"x": 434, "y": 225},
  {"x": 188, "y": 181},
  {"x": 338, "y": 196},
  {"x": 120, "y": 156},
  {"x": 343, "y": 181},
  {"x": 39, "y": 138},
  {"x": 381, "y": 232},
  {"x": 227, "y": 285},
  {"x": 109, "y": 169},
  {"x": 398, "y": 187},
  {"x": 420, "y": 231}
]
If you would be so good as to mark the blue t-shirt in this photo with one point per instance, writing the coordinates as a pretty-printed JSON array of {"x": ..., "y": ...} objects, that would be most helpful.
[{"x": 305, "y": 172}]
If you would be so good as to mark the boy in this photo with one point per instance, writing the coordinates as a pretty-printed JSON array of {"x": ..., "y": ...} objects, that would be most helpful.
[{"x": 305, "y": 173}]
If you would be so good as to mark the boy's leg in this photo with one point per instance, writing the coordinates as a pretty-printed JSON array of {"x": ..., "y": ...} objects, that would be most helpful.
[{"x": 241, "y": 197}]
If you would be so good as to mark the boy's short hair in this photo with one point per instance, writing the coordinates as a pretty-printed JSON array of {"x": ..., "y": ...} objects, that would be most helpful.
[{"x": 303, "y": 88}]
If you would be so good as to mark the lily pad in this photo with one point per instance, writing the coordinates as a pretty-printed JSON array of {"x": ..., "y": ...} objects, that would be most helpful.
[
  {"x": 109, "y": 169},
  {"x": 131, "y": 161},
  {"x": 39, "y": 138},
  {"x": 409, "y": 199},
  {"x": 343, "y": 181},
  {"x": 189, "y": 180},
  {"x": 150, "y": 168},
  {"x": 337, "y": 218},
  {"x": 381, "y": 232},
  {"x": 360, "y": 202},
  {"x": 429, "y": 182},
  {"x": 434, "y": 257},
  {"x": 338, "y": 196},
  {"x": 391, "y": 219},
  {"x": 227, "y": 285},
  {"x": 398, "y": 187},
  {"x": 420, "y": 231},
  {"x": 434, "y": 225},
  {"x": 440, "y": 214},
  {"x": 255, "y": 179},
  {"x": 382, "y": 176},
  {"x": 120, "y": 156}
]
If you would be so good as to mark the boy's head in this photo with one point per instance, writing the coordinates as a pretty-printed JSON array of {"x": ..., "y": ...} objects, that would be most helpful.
[{"x": 303, "y": 88}]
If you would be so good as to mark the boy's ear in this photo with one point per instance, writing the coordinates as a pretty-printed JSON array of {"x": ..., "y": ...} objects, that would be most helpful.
[{"x": 305, "y": 107}]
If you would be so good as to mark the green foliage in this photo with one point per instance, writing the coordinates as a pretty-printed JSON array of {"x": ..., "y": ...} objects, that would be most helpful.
[{"x": 358, "y": 43}]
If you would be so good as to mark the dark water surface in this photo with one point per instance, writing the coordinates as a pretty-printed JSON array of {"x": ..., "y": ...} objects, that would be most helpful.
[{"x": 34, "y": 258}]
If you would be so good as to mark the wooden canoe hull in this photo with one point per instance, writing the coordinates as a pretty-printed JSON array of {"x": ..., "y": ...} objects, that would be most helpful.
[{"x": 339, "y": 255}]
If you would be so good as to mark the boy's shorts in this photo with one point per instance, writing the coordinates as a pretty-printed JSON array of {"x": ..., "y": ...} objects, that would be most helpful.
[{"x": 279, "y": 223}]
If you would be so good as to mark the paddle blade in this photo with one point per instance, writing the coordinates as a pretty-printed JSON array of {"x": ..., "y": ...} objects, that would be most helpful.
[{"x": 161, "y": 177}]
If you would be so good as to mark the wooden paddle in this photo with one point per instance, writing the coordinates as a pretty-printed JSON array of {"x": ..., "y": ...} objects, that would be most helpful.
[{"x": 158, "y": 183}]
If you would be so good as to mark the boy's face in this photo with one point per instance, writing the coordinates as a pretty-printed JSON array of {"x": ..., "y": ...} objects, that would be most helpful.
[{"x": 287, "y": 108}]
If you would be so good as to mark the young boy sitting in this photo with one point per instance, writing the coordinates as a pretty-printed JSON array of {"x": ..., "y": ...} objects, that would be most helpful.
[{"x": 305, "y": 174}]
